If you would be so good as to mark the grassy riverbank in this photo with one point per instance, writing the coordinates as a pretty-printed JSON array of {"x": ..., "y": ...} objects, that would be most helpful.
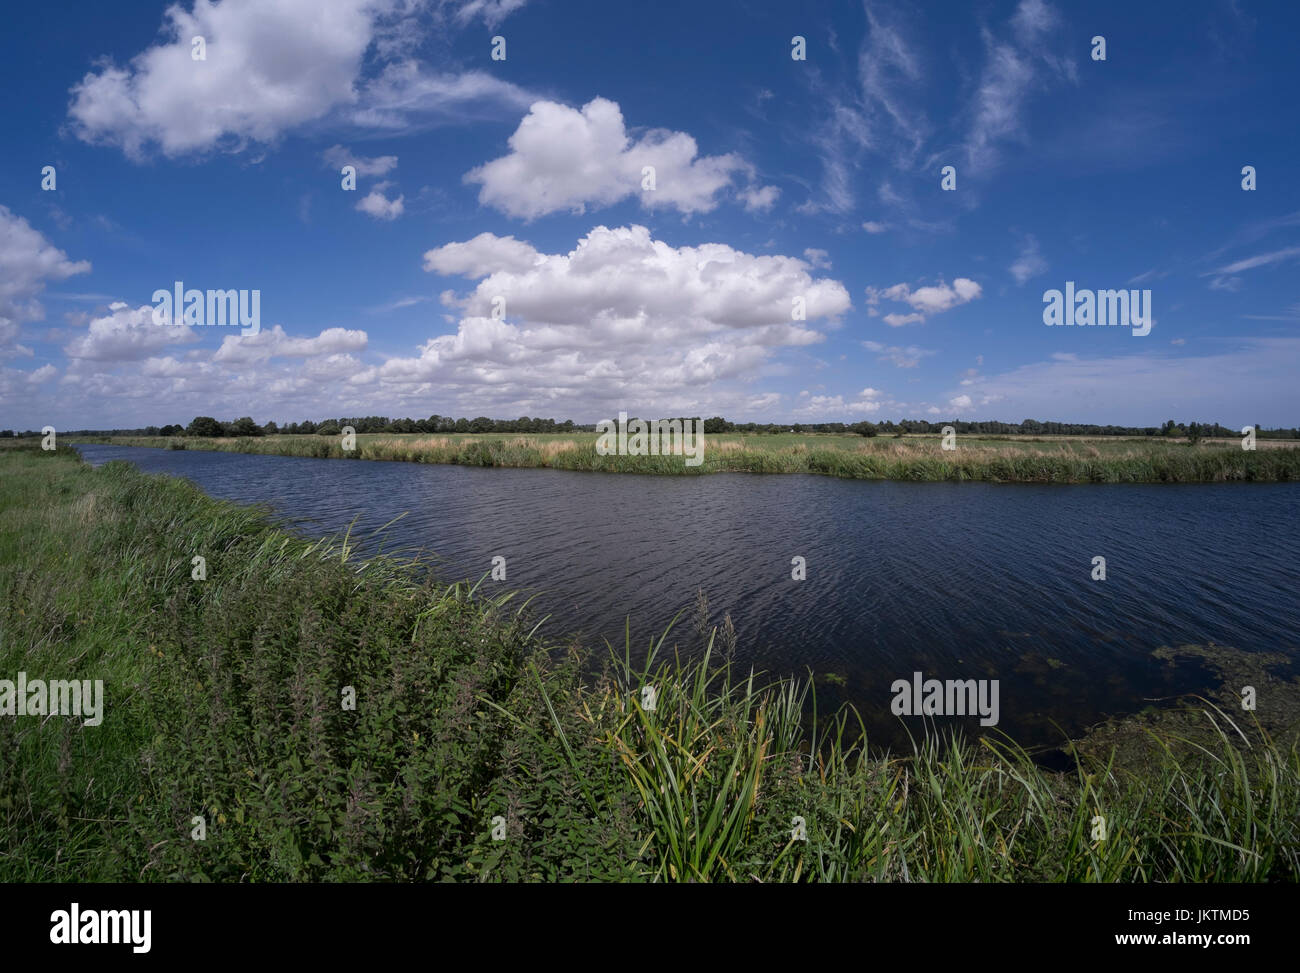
[
  {"x": 223, "y": 699},
  {"x": 1000, "y": 459}
]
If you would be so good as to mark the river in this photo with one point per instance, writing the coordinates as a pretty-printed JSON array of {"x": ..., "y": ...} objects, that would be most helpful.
[{"x": 954, "y": 580}]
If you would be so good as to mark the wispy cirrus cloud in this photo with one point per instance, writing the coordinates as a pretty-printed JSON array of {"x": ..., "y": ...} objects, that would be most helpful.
[
  {"x": 1225, "y": 278},
  {"x": 407, "y": 98},
  {"x": 491, "y": 12},
  {"x": 875, "y": 110},
  {"x": 337, "y": 156},
  {"x": 1030, "y": 263},
  {"x": 878, "y": 111},
  {"x": 898, "y": 356},
  {"x": 1017, "y": 63},
  {"x": 1259, "y": 260}
]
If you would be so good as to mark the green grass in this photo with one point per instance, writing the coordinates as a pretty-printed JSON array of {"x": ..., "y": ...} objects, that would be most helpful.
[
  {"x": 918, "y": 458},
  {"x": 222, "y": 699}
]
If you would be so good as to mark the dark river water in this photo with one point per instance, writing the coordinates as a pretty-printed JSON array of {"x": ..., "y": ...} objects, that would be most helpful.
[{"x": 955, "y": 580}]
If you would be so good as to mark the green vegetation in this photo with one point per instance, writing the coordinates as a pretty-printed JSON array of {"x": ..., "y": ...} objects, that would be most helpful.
[
  {"x": 921, "y": 458},
  {"x": 223, "y": 699}
]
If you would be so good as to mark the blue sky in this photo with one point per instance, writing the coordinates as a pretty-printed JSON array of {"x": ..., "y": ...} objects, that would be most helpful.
[{"x": 775, "y": 178}]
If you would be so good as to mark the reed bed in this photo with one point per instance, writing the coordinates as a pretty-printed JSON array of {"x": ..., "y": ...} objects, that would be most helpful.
[{"x": 915, "y": 459}]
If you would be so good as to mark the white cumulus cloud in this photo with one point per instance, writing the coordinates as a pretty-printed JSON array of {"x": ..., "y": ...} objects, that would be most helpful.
[
  {"x": 271, "y": 66},
  {"x": 275, "y": 343},
  {"x": 924, "y": 301},
  {"x": 564, "y": 158},
  {"x": 621, "y": 318},
  {"x": 481, "y": 256},
  {"x": 379, "y": 206},
  {"x": 127, "y": 334},
  {"x": 27, "y": 262}
]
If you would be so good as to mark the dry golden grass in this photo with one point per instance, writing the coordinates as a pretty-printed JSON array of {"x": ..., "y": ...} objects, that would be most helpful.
[
  {"x": 85, "y": 510},
  {"x": 553, "y": 447},
  {"x": 723, "y": 445}
]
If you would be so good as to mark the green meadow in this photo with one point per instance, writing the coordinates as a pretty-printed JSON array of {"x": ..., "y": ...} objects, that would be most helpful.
[{"x": 477, "y": 751}]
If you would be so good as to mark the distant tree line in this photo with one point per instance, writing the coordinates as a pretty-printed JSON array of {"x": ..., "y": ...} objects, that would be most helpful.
[{"x": 245, "y": 426}]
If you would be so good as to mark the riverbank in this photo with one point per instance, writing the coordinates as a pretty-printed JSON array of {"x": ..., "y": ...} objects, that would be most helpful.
[
  {"x": 227, "y": 700},
  {"x": 914, "y": 458}
]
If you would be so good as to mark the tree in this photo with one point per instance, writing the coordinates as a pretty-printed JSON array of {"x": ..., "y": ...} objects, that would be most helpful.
[
  {"x": 864, "y": 428},
  {"x": 245, "y": 426},
  {"x": 328, "y": 428},
  {"x": 1193, "y": 433},
  {"x": 204, "y": 426}
]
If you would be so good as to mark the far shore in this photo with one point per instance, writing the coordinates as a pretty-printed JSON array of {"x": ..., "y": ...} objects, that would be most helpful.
[{"x": 1001, "y": 459}]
